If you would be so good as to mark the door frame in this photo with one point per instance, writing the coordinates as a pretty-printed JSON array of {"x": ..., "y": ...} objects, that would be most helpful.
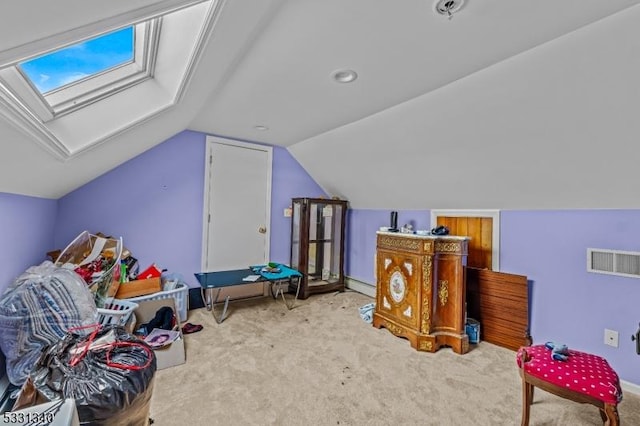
[
  {"x": 495, "y": 237},
  {"x": 210, "y": 140}
]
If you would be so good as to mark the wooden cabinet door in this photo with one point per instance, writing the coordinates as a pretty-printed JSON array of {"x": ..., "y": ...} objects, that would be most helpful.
[
  {"x": 399, "y": 291},
  {"x": 450, "y": 300}
]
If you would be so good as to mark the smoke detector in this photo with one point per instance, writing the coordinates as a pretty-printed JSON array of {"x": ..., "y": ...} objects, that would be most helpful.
[{"x": 447, "y": 7}]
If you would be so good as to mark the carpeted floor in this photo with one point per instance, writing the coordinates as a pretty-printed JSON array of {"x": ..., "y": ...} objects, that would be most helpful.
[{"x": 320, "y": 364}]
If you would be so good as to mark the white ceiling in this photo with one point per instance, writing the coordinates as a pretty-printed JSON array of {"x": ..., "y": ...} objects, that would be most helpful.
[{"x": 510, "y": 104}]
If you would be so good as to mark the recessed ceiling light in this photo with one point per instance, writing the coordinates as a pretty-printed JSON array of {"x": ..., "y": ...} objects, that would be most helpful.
[
  {"x": 261, "y": 128},
  {"x": 344, "y": 76}
]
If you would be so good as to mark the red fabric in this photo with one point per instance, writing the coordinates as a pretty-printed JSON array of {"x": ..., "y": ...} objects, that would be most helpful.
[{"x": 581, "y": 372}]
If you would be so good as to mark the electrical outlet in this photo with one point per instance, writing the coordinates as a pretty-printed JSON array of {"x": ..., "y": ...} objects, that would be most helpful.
[{"x": 611, "y": 338}]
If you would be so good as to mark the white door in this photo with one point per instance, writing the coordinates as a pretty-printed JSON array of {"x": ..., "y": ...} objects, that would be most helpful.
[{"x": 237, "y": 204}]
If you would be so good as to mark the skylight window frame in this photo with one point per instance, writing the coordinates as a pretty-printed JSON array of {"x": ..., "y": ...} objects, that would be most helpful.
[
  {"x": 76, "y": 95},
  {"x": 186, "y": 26},
  {"x": 66, "y": 51}
]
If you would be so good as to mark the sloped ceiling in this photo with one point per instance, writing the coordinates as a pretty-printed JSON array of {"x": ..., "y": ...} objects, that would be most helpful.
[
  {"x": 553, "y": 127},
  {"x": 510, "y": 104}
]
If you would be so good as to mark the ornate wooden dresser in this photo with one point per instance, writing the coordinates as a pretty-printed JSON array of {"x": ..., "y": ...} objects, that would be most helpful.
[{"x": 420, "y": 289}]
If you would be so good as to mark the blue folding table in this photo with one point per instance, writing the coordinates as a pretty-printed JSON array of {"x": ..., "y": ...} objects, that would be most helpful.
[{"x": 258, "y": 273}]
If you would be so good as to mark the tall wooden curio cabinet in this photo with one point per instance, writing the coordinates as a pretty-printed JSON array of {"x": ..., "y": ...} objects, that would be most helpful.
[{"x": 317, "y": 243}]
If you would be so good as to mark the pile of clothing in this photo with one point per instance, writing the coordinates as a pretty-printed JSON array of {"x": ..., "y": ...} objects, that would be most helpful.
[
  {"x": 55, "y": 348},
  {"x": 38, "y": 309}
]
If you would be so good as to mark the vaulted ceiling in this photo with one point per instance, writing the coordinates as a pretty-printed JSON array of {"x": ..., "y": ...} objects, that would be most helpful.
[{"x": 509, "y": 104}]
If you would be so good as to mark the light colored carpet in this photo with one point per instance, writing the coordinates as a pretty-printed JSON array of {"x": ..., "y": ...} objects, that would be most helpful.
[{"x": 320, "y": 364}]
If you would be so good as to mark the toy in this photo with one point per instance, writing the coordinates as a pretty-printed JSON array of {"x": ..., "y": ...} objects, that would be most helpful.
[{"x": 559, "y": 352}]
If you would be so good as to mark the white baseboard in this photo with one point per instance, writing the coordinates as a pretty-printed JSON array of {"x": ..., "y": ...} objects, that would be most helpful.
[
  {"x": 360, "y": 287},
  {"x": 630, "y": 387}
]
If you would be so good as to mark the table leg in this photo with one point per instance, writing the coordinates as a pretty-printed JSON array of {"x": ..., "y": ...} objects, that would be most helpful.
[
  {"x": 206, "y": 297},
  {"x": 298, "y": 280},
  {"x": 289, "y": 305},
  {"x": 224, "y": 309},
  {"x": 272, "y": 284}
]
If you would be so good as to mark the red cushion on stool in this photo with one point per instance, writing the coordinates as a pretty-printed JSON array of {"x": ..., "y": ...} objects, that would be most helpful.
[{"x": 582, "y": 372}]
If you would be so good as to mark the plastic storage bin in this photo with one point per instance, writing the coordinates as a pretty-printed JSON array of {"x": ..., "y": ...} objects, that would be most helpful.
[
  {"x": 116, "y": 312},
  {"x": 86, "y": 248},
  {"x": 473, "y": 330},
  {"x": 180, "y": 294}
]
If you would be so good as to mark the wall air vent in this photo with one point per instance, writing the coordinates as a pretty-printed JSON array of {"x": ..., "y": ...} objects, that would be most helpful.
[{"x": 614, "y": 262}]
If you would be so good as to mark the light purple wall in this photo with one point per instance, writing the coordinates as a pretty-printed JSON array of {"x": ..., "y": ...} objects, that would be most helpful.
[
  {"x": 26, "y": 227},
  {"x": 567, "y": 304},
  {"x": 360, "y": 239},
  {"x": 289, "y": 180},
  {"x": 155, "y": 202}
]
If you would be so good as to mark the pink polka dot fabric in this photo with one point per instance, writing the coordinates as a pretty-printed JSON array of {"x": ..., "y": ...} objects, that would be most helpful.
[{"x": 582, "y": 372}]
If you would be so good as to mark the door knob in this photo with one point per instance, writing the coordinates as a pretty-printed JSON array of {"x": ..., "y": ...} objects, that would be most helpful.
[{"x": 262, "y": 230}]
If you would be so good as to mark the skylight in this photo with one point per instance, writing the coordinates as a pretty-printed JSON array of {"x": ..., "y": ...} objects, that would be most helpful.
[
  {"x": 74, "y": 76},
  {"x": 79, "y": 61},
  {"x": 86, "y": 90}
]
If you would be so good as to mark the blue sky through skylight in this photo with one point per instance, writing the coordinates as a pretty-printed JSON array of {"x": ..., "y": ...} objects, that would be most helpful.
[{"x": 61, "y": 67}]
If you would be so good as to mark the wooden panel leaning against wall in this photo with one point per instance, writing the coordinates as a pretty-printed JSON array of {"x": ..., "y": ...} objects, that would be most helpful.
[{"x": 500, "y": 302}]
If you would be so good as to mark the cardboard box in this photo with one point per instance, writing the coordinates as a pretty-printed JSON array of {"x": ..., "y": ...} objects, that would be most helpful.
[
  {"x": 138, "y": 288},
  {"x": 167, "y": 356}
]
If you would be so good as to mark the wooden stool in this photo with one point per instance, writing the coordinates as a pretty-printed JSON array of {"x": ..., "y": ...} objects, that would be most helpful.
[{"x": 583, "y": 378}]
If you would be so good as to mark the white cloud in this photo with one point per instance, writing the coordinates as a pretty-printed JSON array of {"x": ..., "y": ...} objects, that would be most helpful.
[{"x": 70, "y": 78}]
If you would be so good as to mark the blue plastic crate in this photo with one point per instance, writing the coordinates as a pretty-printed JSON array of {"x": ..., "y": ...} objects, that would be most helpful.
[{"x": 473, "y": 330}]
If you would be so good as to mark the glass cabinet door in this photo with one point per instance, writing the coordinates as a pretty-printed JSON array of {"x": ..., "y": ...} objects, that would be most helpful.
[
  {"x": 295, "y": 235},
  {"x": 322, "y": 244},
  {"x": 334, "y": 261},
  {"x": 317, "y": 242}
]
